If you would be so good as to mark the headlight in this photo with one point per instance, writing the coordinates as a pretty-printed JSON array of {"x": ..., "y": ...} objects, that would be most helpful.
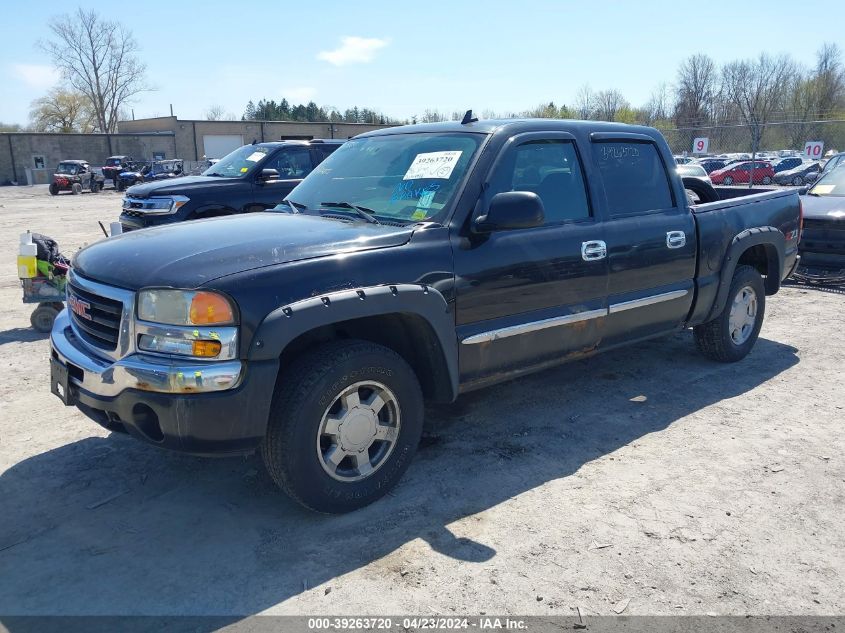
[
  {"x": 185, "y": 307},
  {"x": 156, "y": 206}
]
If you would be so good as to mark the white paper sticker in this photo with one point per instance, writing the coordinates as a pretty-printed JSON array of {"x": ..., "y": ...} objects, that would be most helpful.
[
  {"x": 256, "y": 156},
  {"x": 824, "y": 189},
  {"x": 433, "y": 165}
]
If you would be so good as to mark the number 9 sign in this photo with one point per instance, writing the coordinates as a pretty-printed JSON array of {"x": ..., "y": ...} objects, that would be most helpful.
[
  {"x": 700, "y": 145},
  {"x": 813, "y": 149}
]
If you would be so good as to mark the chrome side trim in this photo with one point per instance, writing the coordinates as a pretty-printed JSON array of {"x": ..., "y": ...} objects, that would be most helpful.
[
  {"x": 125, "y": 337},
  {"x": 533, "y": 326},
  {"x": 647, "y": 301}
]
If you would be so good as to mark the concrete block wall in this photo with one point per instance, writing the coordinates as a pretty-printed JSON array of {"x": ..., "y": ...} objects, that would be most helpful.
[{"x": 17, "y": 150}]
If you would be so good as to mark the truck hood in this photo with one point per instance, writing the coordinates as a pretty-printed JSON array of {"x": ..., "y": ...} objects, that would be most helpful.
[
  {"x": 190, "y": 254},
  {"x": 824, "y": 207},
  {"x": 182, "y": 186}
]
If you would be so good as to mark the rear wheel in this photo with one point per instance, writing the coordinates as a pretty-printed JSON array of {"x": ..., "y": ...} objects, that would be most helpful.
[
  {"x": 54, "y": 189},
  {"x": 43, "y": 316},
  {"x": 95, "y": 186},
  {"x": 728, "y": 180},
  {"x": 798, "y": 181},
  {"x": 76, "y": 188},
  {"x": 731, "y": 335},
  {"x": 345, "y": 422},
  {"x": 767, "y": 180},
  {"x": 119, "y": 185}
]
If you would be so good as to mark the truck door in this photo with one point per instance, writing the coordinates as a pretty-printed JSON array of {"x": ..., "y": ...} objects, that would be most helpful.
[
  {"x": 529, "y": 296},
  {"x": 293, "y": 164},
  {"x": 651, "y": 240}
]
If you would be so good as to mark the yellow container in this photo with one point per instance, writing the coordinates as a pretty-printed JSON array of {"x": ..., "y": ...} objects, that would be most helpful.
[{"x": 27, "y": 267}]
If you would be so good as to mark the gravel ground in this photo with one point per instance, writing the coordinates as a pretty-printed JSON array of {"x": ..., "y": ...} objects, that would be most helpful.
[{"x": 722, "y": 492}]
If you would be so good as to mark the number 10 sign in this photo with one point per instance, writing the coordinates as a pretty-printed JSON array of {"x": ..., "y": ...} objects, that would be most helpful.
[
  {"x": 813, "y": 149},
  {"x": 700, "y": 145}
]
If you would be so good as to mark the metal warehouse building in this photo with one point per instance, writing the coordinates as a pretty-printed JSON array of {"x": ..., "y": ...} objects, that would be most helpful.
[{"x": 30, "y": 158}]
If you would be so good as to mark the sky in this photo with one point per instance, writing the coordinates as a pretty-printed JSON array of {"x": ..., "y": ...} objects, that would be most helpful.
[{"x": 402, "y": 59}]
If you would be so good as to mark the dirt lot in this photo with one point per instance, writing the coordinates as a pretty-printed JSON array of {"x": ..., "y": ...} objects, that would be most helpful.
[{"x": 721, "y": 493}]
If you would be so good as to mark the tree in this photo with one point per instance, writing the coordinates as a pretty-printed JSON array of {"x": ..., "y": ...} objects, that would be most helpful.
[
  {"x": 583, "y": 104},
  {"x": 61, "y": 110},
  {"x": 608, "y": 103},
  {"x": 217, "y": 113},
  {"x": 249, "y": 113},
  {"x": 98, "y": 58},
  {"x": 757, "y": 88},
  {"x": 10, "y": 127}
]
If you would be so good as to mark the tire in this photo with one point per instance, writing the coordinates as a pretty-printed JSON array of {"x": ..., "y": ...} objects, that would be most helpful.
[
  {"x": 119, "y": 185},
  {"x": 298, "y": 445},
  {"x": 76, "y": 188},
  {"x": 43, "y": 316},
  {"x": 54, "y": 189},
  {"x": 767, "y": 180},
  {"x": 95, "y": 186},
  {"x": 720, "y": 339},
  {"x": 798, "y": 181},
  {"x": 727, "y": 180}
]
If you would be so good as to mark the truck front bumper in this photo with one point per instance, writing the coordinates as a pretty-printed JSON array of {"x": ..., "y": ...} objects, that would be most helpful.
[{"x": 195, "y": 407}]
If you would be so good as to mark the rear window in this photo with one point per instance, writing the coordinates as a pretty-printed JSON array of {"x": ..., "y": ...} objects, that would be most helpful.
[{"x": 635, "y": 179}]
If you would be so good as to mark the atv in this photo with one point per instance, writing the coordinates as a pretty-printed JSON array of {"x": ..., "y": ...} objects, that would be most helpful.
[
  {"x": 157, "y": 170},
  {"x": 74, "y": 176},
  {"x": 115, "y": 165}
]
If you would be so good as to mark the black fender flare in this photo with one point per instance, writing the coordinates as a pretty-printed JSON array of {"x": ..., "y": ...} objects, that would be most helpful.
[
  {"x": 775, "y": 243},
  {"x": 284, "y": 324}
]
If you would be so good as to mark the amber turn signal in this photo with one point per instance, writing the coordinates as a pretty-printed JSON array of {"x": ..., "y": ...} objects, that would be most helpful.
[
  {"x": 206, "y": 349},
  {"x": 209, "y": 308}
]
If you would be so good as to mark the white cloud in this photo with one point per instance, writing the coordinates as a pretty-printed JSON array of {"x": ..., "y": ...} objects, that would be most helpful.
[
  {"x": 353, "y": 50},
  {"x": 301, "y": 94},
  {"x": 36, "y": 75}
]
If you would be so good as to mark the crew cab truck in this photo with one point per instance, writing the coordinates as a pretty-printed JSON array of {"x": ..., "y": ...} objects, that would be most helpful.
[
  {"x": 414, "y": 263},
  {"x": 252, "y": 178}
]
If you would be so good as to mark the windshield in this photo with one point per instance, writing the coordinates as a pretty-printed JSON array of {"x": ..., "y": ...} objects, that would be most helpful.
[
  {"x": 404, "y": 177},
  {"x": 112, "y": 162},
  {"x": 70, "y": 169},
  {"x": 238, "y": 163},
  {"x": 831, "y": 184},
  {"x": 691, "y": 170}
]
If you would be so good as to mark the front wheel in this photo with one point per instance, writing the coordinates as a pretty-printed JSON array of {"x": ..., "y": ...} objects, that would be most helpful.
[
  {"x": 54, "y": 189},
  {"x": 76, "y": 188},
  {"x": 767, "y": 180},
  {"x": 43, "y": 316},
  {"x": 798, "y": 181},
  {"x": 344, "y": 425},
  {"x": 119, "y": 185},
  {"x": 728, "y": 180},
  {"x": 731, "y": 335}
]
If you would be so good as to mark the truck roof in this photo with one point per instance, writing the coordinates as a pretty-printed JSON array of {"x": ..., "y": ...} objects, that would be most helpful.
[
  {"x": 318, "y": 141},
  {"x": 514, "y": 126}
]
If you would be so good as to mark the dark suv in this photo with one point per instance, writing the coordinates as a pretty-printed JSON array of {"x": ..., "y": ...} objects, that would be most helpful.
[{"x": 252, "y": 178}]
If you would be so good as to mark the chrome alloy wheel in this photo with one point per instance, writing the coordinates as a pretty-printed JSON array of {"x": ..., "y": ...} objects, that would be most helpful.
[
  {"x": 743, "y": 315},
  {"x": 358, "y": 431}
]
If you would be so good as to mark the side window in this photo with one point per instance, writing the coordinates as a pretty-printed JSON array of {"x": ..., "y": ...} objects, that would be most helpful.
[
  {"x": 635, "y": 180},
  {"x": 326, "y": 150},
  {"x": 291, "y": 163},
  {"x": 549, "y": 168}
]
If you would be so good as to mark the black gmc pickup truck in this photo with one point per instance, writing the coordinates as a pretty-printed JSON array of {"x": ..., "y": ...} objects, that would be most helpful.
[
  {"x": 415, "y": 263},
  {"x": 252, "y": 178}
]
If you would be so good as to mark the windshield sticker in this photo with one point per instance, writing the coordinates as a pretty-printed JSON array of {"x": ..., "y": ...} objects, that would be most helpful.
[
  {"x": 244, "y": 170},
  {"x": 255, "y": 157},
  {"x": 433, "y": 165},
  {"x": 824, "y": 189},
  {"x": 406, "y": 190},
  {"x": 426, "y": 199},
  {"x": 419, "y": 214}
]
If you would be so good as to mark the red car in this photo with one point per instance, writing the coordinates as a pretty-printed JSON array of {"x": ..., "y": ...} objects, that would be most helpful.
[{"x": 764, "y": 173}]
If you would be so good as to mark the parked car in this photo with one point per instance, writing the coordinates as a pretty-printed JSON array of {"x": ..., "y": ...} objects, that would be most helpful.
[
  {"x": 834, "y": 162},
  {"x": 115, "y": 165},
  {"x": 697, "y": 183},
  {"x": 784, "y": 164},
  {"x": 74, "y": 176},
  {"x": 712, "y": 164},
  {"x": 252, "y": 178},
  {"x": 416, "y": 263},
  {"x": 822, "y": 246},
  {"x": 800, "y": 175},
  {"x": 150, "y": 172},
  {"x": 682, "y": 160},
  {"x": 741, "y": 173}
]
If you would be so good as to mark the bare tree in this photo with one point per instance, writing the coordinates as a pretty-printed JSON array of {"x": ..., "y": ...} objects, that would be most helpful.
[
  {"x": 216, "y": 113},
  {"x": 696, "y": 91},
  {"x": 758, "y": 88},
  {"x": 609, "y": 103},
  {"x": 98, "y": 58},
  {"x": 659, "y": 106},
  {"x": 829, "y": 79},
  {"x": 433, "y": 116},
  {"x": 61, "y": 110},
  {"x": 583, "y": 104}
]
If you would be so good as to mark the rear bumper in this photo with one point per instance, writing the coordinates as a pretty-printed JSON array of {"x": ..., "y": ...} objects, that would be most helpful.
[{"x": 200, "y": 408}]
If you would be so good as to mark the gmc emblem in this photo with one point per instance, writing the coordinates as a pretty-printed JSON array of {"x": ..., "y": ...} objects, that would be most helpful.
[{"x": 78, "y": 306}]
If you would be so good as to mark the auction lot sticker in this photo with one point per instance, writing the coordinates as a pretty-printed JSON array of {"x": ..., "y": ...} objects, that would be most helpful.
[{"x": 433, "y": 165}]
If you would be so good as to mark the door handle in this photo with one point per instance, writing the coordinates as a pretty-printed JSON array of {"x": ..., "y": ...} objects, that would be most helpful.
[
  {"x": 676, "y": 239},
  {"x": 593, "y": 250}
]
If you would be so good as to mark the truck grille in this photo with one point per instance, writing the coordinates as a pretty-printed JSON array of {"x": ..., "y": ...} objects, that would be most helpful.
[
  {"x": 95, "y": 318},
  {"x": 824, "y": 236}
]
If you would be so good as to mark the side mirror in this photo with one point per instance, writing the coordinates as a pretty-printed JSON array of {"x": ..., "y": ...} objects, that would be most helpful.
[
  {"x": 511, "y": 210},
  {"x": 268, "y": 174}
]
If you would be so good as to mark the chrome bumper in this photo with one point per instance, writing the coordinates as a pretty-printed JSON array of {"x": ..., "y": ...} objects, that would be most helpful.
[{"x": 107, "y": 377}]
